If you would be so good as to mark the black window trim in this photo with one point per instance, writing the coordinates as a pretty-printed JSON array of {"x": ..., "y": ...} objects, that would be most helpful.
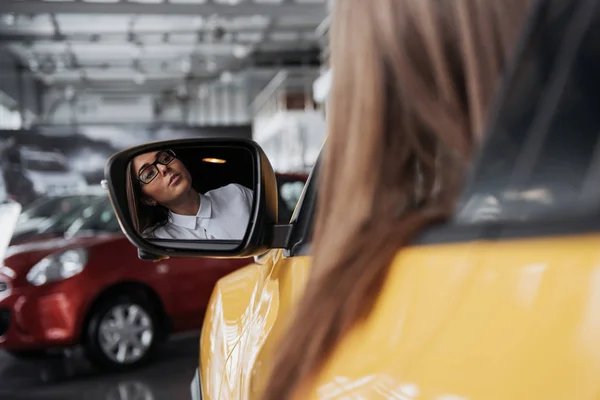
[{"x": 303, "y": 219}]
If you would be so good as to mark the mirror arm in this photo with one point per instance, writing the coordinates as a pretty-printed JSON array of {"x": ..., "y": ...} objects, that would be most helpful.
[
  {"x": 281, "y": 235},
  {"x": 147, "y": 256}
]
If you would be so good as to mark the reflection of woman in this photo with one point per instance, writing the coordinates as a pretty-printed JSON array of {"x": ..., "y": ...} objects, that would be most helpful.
[
  {"x": 164, "y": 204},
  {"x": 412, "y": 85}
]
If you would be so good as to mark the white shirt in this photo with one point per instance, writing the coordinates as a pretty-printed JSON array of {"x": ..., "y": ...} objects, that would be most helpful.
[{"x": 223, "y": 214}]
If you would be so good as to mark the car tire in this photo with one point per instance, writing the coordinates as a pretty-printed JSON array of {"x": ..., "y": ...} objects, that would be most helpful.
[{"x": 122, "y": 333}]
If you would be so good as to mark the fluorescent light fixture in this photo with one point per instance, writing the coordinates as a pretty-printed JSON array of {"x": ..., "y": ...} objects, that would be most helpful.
[
  {"x": 214, "y": 160},
  {"x": 226, "y": 77},
  {"x": 240, "y": 51}
]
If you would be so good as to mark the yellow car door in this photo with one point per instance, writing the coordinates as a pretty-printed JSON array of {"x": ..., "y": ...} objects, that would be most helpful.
[
  {"x": 519, "y": 317},
  {"x": 248, "y": 309}
]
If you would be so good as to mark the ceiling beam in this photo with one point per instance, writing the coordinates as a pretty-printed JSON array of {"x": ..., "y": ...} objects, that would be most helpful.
[
  {"x": 309, "y": 11},
  {"x": 14, "y": 37}
]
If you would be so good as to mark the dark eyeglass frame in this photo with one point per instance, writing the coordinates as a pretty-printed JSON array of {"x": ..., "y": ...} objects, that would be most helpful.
[{"x": 154, "y": 165}]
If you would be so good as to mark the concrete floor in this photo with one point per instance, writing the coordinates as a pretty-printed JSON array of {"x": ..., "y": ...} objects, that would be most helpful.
[{"x": 168, "y": 377}]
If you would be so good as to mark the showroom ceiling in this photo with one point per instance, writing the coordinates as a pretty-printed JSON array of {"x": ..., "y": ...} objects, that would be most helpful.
[{"x": 151, "y": 45}]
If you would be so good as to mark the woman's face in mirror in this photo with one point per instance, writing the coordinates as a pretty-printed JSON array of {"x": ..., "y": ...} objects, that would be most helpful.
[{"x": 163, "y": 178}]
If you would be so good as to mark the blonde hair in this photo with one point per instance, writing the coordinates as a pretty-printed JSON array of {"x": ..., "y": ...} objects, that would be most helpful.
[{"x": 413, "y": 81}]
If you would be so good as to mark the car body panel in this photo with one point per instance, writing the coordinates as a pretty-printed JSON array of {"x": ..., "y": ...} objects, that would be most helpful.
[
  {"x": 242, "y": 323},
  {"x": 491, "y": 320}
]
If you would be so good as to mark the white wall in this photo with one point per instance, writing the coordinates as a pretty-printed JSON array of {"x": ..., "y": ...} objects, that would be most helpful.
[{"x": 291, "y": 139}]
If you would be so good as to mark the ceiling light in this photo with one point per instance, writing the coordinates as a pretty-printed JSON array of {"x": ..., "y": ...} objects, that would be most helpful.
[
  {"x": 240, "y": 51},
  {"x": 198, "y": 22},
  {"x": 139, "y": 78},
  {"x": 214, "y": 160},
  {"x": 186, "y": 65},
  {"x": 202, "y": 92},
  {"x": 9, "y": 19},
  {"x": 69, "y": 92},
  {"x": 181, "y": 91},
  {"x": 211, "y": 66},
  {"x": 226, "y": 77},
  {"x": 48, "y": 79},
  {"x": 136, "y": 51},
  {"x": 34, "y": 65},
  {"x": 60, "y": 64}
]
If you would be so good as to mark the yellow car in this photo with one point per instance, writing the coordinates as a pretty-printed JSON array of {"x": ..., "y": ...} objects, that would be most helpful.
[{"x": 502, "y": 302}]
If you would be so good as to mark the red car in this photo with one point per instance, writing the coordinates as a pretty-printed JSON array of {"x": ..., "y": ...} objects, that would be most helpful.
[
  {"x": 92, "y": 289},
  {"x": 88, "y": 287}
]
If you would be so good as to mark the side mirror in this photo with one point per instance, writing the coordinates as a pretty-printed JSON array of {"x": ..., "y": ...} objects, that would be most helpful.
[{"x": 196, "y": 198}]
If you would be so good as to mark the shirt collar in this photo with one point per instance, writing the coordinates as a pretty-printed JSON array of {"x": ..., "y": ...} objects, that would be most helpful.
[
  {"x": 205, "y": 210},
  {"x": 189, "y": 221}
]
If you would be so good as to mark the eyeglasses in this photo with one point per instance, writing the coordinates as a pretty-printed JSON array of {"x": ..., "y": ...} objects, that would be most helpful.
[{"x": 149, "y": 172}]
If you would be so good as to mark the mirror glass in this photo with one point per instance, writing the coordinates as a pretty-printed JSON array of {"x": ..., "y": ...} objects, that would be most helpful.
[{"x": 190, "y": 194}]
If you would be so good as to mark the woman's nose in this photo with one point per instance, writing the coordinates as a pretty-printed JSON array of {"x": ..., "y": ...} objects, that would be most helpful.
[{"x": 162, "y": 168}]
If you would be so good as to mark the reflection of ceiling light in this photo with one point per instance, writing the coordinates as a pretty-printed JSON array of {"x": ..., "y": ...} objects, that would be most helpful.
[
  {"x": 240, "y": 51},
  {"x": 214, "y": 160},
  {"x": 226, "y": 77},
  {"x": 139, "y": 78}
]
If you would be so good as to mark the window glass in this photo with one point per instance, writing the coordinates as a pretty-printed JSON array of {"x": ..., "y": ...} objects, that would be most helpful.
[
  {"x": 100, "y": 218},
  {"x": 540, "y": 158},
  {"x": 289, "y": 192}
]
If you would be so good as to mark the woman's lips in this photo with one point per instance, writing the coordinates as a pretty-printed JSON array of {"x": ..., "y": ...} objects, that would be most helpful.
[{"x": 174, "y": 179}]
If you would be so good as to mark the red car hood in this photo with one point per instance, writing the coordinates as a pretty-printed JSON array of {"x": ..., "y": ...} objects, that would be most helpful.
[{"x": 20, "y": 258}]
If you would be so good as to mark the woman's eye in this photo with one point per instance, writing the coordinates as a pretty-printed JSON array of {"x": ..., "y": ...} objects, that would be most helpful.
[
  {"x": 147, "y": 175},
  {"x": 167, "y": 159}
]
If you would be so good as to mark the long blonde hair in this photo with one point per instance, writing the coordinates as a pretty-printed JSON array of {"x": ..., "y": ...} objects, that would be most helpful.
[{"x": 413, "y": 81}]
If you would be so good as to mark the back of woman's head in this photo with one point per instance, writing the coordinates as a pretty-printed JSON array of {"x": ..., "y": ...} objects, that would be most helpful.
[{"x": 412, "y": 84}]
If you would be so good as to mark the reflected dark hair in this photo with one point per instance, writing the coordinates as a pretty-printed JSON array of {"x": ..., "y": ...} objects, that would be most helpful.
[{"x": 143, "y": 215}]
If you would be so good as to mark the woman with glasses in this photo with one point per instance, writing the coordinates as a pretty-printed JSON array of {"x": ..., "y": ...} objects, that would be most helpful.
[{"x": 165, "y": 205}]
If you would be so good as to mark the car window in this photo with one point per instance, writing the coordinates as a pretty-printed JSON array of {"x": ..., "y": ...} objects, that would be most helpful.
[
  {"x": 100, "y": 218},
  {"x": 303, "y": 219},
  {"x": 289, "y": 191},
  {"x": 53, "y": 206},
  {"x": 541, "y": 160},
  {"x": 62, "y": 222}
]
